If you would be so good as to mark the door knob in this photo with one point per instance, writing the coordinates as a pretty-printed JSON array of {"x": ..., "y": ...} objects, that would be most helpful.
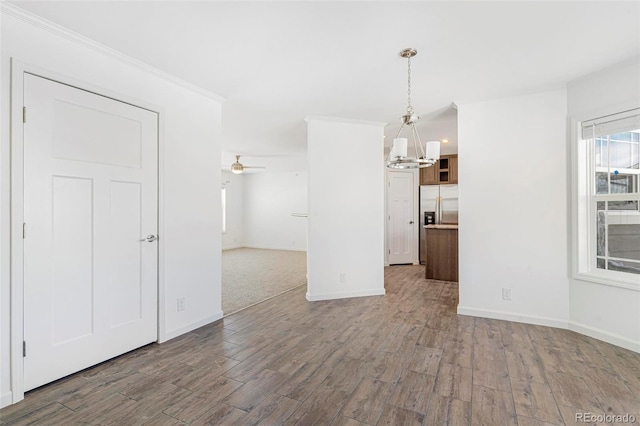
[
  {"x": 411, "y": 223},
  {"x": 150, "y": 238}
]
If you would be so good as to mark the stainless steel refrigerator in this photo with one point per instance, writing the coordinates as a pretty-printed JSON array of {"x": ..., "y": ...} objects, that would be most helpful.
[{"x": 443, "y": 201}]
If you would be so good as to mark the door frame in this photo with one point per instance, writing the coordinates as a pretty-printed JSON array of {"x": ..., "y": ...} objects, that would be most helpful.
[
  {"x": 16, "y": 245},
  {"x": 416, "y": 186}
]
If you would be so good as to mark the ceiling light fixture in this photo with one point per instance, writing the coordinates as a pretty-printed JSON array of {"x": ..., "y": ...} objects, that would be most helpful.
[
  {"x": 238, "y": 167},
  {"x": 425, "y": 156}
]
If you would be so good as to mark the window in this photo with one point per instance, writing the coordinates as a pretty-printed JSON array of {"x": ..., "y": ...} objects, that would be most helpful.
[
  {"x": 607, "y": 205},
  {"x": 224, "y": 210}
]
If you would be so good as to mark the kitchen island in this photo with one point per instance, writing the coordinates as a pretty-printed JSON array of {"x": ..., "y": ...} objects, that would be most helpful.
[{"x": 441, "y": 252}]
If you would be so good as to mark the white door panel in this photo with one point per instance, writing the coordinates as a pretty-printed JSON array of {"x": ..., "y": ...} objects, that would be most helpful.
[
  {"x": 74, "y": 135},
  {"x": 124, "y": 282},
  {"x": 402, "y": 227},
  {"x": 90, "y": 176},
  {"x": 71, "y": 260}
]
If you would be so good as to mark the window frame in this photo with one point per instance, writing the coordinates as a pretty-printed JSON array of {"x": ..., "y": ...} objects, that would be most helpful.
[{"x": 583, "y": 212}]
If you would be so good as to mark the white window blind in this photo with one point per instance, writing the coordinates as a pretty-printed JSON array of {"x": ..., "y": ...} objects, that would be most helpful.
[{"x": 611, "y": 124}]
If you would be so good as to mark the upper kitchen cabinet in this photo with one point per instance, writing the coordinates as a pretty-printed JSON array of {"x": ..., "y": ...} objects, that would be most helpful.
[
  {"x": 444, "y": 171},
  {"x": 448, "y": 169},
  {"x": 429, "y": 175}
]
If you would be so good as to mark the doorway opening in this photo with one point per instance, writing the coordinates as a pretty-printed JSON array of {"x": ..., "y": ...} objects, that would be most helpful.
[{"x": 264, "y": 236}]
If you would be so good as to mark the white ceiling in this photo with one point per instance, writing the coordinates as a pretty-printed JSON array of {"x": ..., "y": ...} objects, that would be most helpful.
[{"x": 279, "y": 62}]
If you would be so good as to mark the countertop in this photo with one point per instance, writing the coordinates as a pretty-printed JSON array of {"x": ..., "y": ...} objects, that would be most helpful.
[{"x": 441, "y": 226}]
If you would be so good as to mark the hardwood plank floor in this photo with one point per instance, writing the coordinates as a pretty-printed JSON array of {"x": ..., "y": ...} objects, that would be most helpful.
[{"x": 402, "y": 359}]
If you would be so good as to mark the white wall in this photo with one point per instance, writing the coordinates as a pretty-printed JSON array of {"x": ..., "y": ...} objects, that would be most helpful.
[
  {"x": 346, "y": 208},
  {"x": 234, "y": 237},
  {"x": 269, "y": 200},
  {"x": 190, "y": 239},
  {"x": 609, "y": 91},
  {"x": 602, "y": 311},
  {"x": 513, "y": 208}
]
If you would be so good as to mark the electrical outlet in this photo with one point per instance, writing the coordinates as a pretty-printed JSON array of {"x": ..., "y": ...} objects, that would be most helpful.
[
  {"x": 343, "y": 277},
  {"x": 181, "y": 304},
  {"x": 506, "y": 294}
]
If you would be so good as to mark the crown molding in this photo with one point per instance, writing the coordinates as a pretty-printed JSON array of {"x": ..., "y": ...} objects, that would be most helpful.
[{"x": 59, "y": 30}]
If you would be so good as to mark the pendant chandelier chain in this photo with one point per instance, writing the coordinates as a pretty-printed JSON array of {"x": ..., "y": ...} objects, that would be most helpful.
[{"x": 409, "y": 107}]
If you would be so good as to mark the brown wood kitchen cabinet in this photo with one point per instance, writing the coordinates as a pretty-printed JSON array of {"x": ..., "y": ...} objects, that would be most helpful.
[
  {"x": 444, "y": 171},
  {"x": 428, "y": 175},
  {"x": 453, "y": 169},
  {"x": 441, "y": 253}
]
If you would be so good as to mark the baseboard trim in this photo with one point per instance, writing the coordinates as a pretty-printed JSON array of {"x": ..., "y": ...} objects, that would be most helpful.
[
  {"x": 6, "y": 399},
  {"x": 511, "y": 316},
  {"x": 587, "y": 330},
  {"x": 182, "y": 330},
  {"x": 605, "y": 336},
  {"x": 345, "y": 295}
]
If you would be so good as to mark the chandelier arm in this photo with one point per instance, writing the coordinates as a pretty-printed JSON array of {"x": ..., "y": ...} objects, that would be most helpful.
[
  {"x": 400, "y": 130},
  {"x": 417, "y": 136},
  {"x": 414, "y": 134}
]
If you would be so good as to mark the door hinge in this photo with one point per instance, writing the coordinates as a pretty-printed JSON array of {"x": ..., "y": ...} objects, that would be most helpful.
[
  {"x": 24, "y": 349},
  {"x": 24, "y": 114},
  {"x": 24, "y": 230}
]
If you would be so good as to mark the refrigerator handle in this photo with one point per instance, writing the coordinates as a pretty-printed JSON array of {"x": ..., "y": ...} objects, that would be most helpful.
[{"x": 438, "y": 212}]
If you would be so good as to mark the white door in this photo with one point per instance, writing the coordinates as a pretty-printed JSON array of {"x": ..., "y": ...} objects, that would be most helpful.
[
  {"x": 90, "y": 198},
  {"x": 402, "y": 229}
]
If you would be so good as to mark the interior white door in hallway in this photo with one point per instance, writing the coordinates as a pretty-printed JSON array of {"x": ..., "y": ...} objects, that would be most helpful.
[
  {"x": 90, "y": 201},
  {"x": 402, "y": 227}
]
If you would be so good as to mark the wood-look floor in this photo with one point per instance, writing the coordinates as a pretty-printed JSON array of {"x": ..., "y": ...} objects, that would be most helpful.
[{"x": 402, "y": 359}]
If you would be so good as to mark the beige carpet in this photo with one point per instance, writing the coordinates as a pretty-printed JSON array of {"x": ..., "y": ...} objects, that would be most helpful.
[{"x": 250, "y": 275}]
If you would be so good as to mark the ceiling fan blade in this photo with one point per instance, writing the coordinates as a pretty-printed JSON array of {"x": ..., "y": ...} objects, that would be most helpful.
[{"x": 254, "y": 167}]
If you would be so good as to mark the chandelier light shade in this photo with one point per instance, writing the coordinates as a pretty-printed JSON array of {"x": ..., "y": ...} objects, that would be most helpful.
[
  {"x": 433, "y": 151},
  {"x": 421, "y": 155}
]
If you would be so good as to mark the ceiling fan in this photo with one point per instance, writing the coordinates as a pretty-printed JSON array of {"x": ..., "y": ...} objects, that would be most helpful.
[{"x": 238, "y": 167}]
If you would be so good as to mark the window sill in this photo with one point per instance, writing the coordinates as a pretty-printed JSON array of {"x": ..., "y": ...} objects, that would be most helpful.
[{"x": 610, "y": 278}]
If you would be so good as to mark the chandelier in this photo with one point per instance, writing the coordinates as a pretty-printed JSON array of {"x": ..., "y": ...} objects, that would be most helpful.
[{"x": 425, "y": 156}]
